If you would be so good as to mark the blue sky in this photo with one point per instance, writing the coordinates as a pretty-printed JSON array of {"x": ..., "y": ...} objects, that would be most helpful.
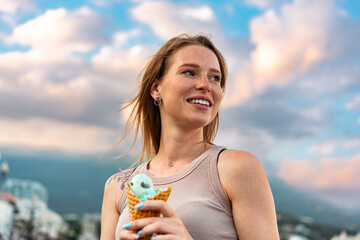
[{"x": 293, "y": 94}]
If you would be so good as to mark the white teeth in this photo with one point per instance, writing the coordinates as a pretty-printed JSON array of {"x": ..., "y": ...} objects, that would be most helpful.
[{"x": 200, "y": 102}]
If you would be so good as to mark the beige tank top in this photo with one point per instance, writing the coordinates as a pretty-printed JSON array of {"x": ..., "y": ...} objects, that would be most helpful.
[{"x": 197, "y": 196}]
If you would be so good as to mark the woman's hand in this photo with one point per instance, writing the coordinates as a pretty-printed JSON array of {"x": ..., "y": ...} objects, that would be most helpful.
[{"x": 170, "y": 226}]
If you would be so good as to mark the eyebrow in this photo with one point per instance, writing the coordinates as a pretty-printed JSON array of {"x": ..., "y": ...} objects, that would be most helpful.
[{"x": 198, "y": 66}]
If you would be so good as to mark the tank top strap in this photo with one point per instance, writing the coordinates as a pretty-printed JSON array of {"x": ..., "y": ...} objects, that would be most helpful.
[{"x": 214, "y": 178}]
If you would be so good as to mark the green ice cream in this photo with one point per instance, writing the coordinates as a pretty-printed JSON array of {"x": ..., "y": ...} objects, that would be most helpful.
[{"x": 142, "y": 186}]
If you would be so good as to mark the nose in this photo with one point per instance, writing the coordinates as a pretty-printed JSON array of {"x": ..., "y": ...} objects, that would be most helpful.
[{"x": 203, "y": 83}]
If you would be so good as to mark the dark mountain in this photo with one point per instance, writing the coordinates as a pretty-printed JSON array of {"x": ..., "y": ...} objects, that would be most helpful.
[
  {"x": 300, "y": 203},
  {"x": 75, "y": 182}
]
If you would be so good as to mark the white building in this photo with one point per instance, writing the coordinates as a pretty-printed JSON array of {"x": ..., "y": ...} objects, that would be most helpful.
[
  {"x": 6, "y": 218},
  {"x": 32, "y": 205},
  {"x": 7, "y": 210},
  {"x": 89, "y": 227},
  {"x": 343, "y": 236},
  {"x": 297, "y": 237},
  {"x": 25, "y": 189}
]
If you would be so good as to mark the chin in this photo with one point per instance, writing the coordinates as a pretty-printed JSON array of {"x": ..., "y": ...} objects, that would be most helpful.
[{"x": 199, "y": 123}]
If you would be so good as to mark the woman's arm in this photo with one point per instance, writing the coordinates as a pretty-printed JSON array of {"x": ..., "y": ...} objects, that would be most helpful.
[
  {"x": 244, "y": 181},
  {"x": 109, "y": 210},
  {"x": 113, "y": 189}
]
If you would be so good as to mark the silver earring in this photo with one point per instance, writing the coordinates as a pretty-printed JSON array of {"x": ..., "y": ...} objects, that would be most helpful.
[{"x": 157, "y": 101}]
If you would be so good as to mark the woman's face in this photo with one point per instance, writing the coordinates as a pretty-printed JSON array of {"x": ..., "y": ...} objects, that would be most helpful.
[{"x": 190, "y": 90}]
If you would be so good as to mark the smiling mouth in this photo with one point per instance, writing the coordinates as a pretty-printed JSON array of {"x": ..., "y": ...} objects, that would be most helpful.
[{"x": 200, "y": 102}]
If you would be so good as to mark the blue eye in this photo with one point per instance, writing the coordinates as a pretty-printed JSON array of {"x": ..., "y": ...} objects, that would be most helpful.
[
  {"x": 216, "y": 78},
  {"x": 189, "y": 73}
]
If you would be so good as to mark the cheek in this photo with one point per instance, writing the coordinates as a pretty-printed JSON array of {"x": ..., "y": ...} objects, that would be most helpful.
[
  {"x": 174, "y": 86},
  {"x": 179, "y": 90},
  {"x": 217, "y": 94},
  {"x": 174, "y": 95}
]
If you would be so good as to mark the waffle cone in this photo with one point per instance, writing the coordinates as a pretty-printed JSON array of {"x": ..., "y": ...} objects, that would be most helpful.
[{"x": 133, "y": 200}]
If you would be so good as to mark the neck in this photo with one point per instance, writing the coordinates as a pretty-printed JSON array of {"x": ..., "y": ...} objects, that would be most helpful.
[{"x": 178, "y": 148}]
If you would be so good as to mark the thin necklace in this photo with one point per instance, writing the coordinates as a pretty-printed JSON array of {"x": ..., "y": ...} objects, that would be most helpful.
[{"x": 171, "y": 164}]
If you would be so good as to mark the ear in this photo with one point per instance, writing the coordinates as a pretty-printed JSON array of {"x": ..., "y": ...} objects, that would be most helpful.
[{"x": 154, "y": 90}]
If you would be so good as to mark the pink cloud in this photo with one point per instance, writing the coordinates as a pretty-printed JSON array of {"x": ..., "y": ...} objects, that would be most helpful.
[
  {"x": 324, "y": 175},
  {"x": 51, "y": 134},
  {"x": 287, "y": 44}
]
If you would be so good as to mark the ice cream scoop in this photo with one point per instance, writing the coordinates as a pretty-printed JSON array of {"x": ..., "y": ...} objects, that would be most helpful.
[{"x": 142, "y": 186}]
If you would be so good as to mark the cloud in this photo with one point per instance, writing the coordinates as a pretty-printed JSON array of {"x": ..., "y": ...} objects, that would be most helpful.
[
  {"x": 264, "y": 3},
  {"x": 266, "y": 123},
  {"x": 354, "y": 103},
  {"x": 35, "y": 95},
  {"x": 323, "y": 149},
  {"x": 270, "y": 113},
  {"x": 333, "y": 146},
  {"x": 51, "y": 66},
  {"x": 67, "y": 91},
  {"x": 116, "y": 59},
  {"x": 50, "y": 80},
  {"x": 121, "y": 62},
  {"x": 102, "y": 3},
  {"x": 297, "y": 41},
  {"x": 11, "y": 6},
  {"x": 53, "y": 86},
  {"x": 329, "y": 175},
  {"x": 288, "y": 43},
  {"x": 351, "y": 143},
  {"x": 50, "y": 134},
  {"x": 243, "y": 137},
  {"x": 241, "y": 91},
  {"x": 10, "y": 10},
  {"x": 61, "y": 31},
  {"x": 168, "y": 19},
  {"x": 17, "y": 61}
]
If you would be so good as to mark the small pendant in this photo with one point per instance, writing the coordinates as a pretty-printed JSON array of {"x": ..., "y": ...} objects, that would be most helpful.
[{"x": 171, "y": 164}]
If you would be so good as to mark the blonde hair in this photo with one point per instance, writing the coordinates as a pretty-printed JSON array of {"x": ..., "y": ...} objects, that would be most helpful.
[{"x": 145, "y": 116}]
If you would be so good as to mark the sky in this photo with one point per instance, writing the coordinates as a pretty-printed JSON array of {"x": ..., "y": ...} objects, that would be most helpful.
[{"x": 293, "y": 90}]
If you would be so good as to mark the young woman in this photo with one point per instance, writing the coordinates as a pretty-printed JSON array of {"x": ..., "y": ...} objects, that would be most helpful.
[{"x": 217, "y": 193}]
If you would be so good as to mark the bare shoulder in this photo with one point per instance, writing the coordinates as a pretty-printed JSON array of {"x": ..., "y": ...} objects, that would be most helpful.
[
  {"x": 238, "y": 161},
  {"x": 241, "y": 167},
  {"x": 115, "y": 185}
]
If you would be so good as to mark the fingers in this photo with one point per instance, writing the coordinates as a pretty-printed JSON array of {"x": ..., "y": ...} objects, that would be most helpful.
[
  {"x": 154, "y": 223},
  {"x": 169, "y": 224},
  {"x": 145, "y": 227},
  {"x": 157, "y": 205},
  {"x": 160, "y": 226},
  {"x": 128, "y": 235},
  {"x": 161, "y": 237}
]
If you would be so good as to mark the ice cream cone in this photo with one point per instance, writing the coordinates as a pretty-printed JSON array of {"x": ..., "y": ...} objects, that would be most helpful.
[{"x": 133, "y": 200}]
